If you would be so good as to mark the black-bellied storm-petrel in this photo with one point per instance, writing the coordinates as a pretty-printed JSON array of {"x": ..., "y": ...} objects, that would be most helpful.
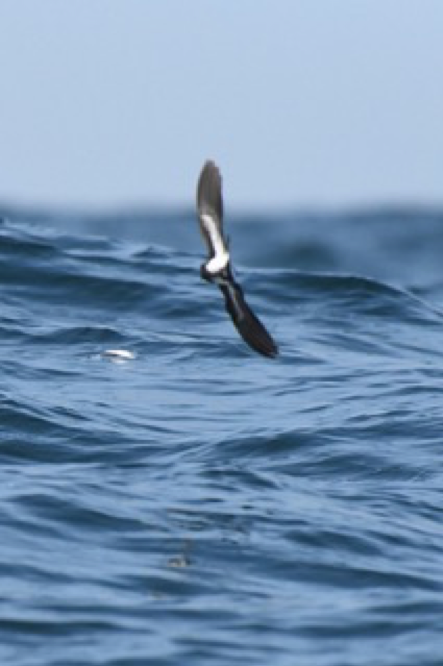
[{"x": 218, "y": 267}]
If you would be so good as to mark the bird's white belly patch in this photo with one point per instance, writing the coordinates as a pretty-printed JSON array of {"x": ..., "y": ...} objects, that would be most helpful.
[{"x": 217, "y": 263}]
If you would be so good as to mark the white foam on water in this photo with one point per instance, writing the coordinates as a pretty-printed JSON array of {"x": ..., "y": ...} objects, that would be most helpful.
[{"x": 119, "y": 355}]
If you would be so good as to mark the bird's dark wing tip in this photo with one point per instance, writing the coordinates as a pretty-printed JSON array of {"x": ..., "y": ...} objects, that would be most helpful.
[
  {"x": 254, "y": 333},
  {"x": 256, "y": 336},
  {"x": 209, "y": 189},
  {"x": 248, "y": 325},
  {"x": 209, "y": 167}
]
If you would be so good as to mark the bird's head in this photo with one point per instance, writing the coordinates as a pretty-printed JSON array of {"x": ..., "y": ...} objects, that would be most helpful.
[{"x": 205, "y": 274}]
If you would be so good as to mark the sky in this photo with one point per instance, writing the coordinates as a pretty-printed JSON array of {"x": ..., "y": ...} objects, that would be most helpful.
[{"x": 302, "y": 103}]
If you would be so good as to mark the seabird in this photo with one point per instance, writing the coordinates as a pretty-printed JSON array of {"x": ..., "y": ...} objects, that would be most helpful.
[{"x": 217, "y": 268}]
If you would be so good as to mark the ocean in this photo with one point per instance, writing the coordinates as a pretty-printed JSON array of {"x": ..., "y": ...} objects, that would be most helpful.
[{"x": 194, "y": 503}]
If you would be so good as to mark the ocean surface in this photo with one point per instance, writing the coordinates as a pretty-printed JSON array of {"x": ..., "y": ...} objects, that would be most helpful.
[{"x": 197, "y": 504}]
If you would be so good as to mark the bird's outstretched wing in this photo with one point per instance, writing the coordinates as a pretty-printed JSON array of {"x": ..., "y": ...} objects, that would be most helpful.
[
  {"x": 248, "y": 325},
  {"x": 210, "y": 210}
]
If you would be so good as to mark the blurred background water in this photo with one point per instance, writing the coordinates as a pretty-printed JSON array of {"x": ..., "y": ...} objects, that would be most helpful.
[{"x": 199, "y": 504}]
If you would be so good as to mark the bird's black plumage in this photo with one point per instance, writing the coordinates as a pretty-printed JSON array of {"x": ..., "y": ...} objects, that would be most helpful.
[{"x": 218, "y": 267}]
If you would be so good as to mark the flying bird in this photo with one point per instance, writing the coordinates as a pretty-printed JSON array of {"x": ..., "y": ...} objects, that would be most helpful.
[{"x": 217, "y": 268}]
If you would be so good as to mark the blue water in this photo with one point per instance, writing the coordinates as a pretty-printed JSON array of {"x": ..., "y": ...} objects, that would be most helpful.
[{"x": 200, "y": 504}]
